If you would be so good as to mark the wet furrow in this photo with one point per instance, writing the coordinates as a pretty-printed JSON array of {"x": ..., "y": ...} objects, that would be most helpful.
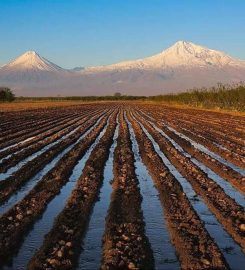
[
  {"x": 230, "y": 249},
  {"x": 19, "y": 127},
  {"x": 62, "y": 244},
  {"x": 37, "y": 236},
  {"x": 19, "y": 219},
  {"x": 91, "y": 254},
  {"x": 125, "y": 245},
  {"x": 16, "y": 144},
  {"x": 221, "y": 167},
  {"x": 154, "y": 217},
  {"x": 37, "y": 149},
  {"x": 17, "y": 160},
  {"x": 210, "y": 153},
  {"x": 226, "y": 186},
  {"x": 212, "y": 130},
  {"x": 230, "y": 156},
  {"x": 185, "y": 227},
  {"x": 24, "y": 190},
  {"x": 226, "y": 152},
  {"x": 203, "y": 148},
  {"x": 234, "y": 146},
  {"x": 16, "y": 138},
  {"x": 220, "y": 148},
  {"x": 227, "y": 211},
  {"x": 23, "y": 162},
  {"x": 38, "y": 139},
  {"x": 55, "y": 128},
  {"x": 23, "y": 175}
]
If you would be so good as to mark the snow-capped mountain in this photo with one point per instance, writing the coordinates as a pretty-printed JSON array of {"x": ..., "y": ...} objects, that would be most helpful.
[
  {"x": 30, "y": 67},
  {"x": 32, "y": 61},
  {"x": 183, "y": 66},
  {"x": 181, "y": 54}
]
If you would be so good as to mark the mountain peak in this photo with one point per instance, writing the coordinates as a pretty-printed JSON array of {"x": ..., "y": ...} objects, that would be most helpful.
[
  {"x": 182, "y": 54},
  {"x": 185, "y": 53},
  {"x": 183, "y": 43},
  {"x": 185, "y": 47},
  {"x": 30, "y": 53},
  {"x": 31, "y": 60}
]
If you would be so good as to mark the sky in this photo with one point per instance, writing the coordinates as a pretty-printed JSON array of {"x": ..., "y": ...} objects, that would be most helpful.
[{"x": 75, "y": 33}]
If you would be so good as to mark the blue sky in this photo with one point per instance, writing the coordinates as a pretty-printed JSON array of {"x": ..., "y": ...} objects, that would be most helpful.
[{"x": 95, "y": 32}]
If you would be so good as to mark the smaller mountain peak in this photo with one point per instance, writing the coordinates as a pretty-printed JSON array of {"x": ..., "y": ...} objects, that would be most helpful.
[{"x": 31, "y": 60}]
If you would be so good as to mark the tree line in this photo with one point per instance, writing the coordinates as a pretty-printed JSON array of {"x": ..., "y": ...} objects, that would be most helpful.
[
  {"x": 6, "y": 95},
  {"x": 222, "y": 96}
]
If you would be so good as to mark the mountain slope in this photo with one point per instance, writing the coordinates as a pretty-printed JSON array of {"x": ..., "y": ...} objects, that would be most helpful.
[
  {"x": 181, "y": 54},
  {"x": 180, "y": 67},
  {"x": 32, "y": 61},
  {"x": 30, "y": 67}
]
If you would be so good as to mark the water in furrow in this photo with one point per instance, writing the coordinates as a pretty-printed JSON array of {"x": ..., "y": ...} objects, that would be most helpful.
[
  {"x": 227, "y": 187},
  {"x": 35, "y": 237},
  {"x": 208, "y": 152},
  {"x": 155, "y": 224},
  {"x": 230, "y": 249},
  {"x": 13, "y": 169},
  {"x": 22, "y": 192},
  {"x": 91, "y": 254},
  {"x": 13, "y": 145}
]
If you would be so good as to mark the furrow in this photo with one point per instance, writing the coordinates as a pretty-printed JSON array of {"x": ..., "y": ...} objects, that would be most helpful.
[
  {"x": 227, "y": 211},
  {"x": 15, "y": 181},
  {"x": 125, "y": 245},
  {"x": 19, "y": 219},
  {"x": 62, "y": 244},
  {"x": 185, "y": 226}
]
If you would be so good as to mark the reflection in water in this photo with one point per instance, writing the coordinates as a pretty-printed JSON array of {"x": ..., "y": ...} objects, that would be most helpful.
[
  {"x": 155, "y": 225},
  {"x": 91, "y": 254},
  {"x": 35, "y": 237},
  {"x": 230, "y": 249},
  {"x": 22, "y": 192}
]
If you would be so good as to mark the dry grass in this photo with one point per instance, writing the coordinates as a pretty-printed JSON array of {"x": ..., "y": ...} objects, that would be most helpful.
[
  {"x": 30, "y": 105},
  {"x": 185, "y": 106}
]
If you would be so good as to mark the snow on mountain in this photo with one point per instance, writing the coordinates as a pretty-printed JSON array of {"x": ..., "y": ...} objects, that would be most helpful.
[
  {"x": 181, "y": 54},
  {"x": 31, "y": 68},
  {"x": 182, "y": 66},
  {"x": 32, "y": 61}
]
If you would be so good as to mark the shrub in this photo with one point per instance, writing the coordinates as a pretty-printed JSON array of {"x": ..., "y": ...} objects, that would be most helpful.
[
  {"x": 6, "y": 94},
  {"x": 222, "y": 96}
]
